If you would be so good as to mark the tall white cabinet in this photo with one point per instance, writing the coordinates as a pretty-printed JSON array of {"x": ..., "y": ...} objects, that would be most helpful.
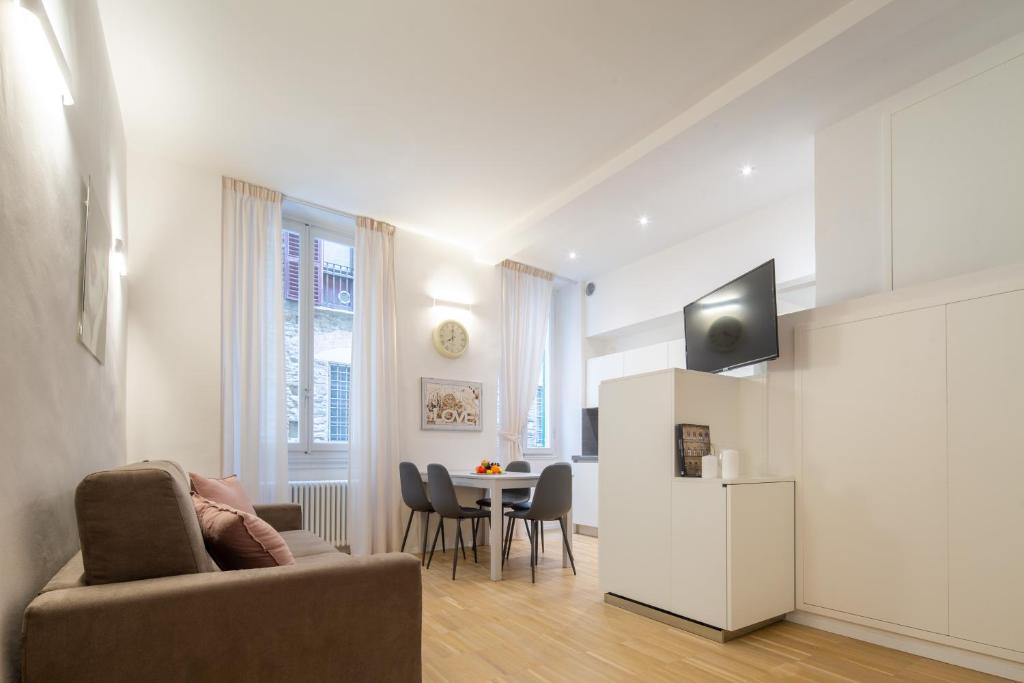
[
  {"x": 986, "y": 470},
  {"x": 909, "y": 425},
  {"x": 717, "y": 553}
]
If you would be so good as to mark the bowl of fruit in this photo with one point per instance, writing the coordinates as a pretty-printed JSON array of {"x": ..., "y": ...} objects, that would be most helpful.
[{"x": 488, "y": 467}]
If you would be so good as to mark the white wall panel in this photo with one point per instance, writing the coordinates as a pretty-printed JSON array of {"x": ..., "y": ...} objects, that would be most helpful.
[
  {"x": 874, "y": 479},
  {"x": 986, "y": 458}
]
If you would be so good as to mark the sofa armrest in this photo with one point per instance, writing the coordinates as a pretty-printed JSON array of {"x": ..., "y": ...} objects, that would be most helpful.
[
  {"x": 281, "y": 516},
  {"x": 336, "y": 618}
]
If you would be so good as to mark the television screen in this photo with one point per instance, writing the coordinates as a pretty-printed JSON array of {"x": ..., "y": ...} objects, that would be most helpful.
[{"x": 735, "y": 325}]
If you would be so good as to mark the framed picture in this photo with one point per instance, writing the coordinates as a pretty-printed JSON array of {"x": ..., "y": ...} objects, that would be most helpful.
[
  {"x": 92, "y": 310},
  {"x": 693, "y": 442},
  {"x": 450, "y": 404}
]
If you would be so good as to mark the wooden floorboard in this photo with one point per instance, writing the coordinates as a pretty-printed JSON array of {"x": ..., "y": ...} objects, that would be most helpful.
[{"x": 560, "y": 630}]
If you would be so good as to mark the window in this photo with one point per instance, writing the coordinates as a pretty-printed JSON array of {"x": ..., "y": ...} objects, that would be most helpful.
[
  {"x": 340, "y": 378},
  {"x": 317, "y": 269},
  {"x": 538, "y": 423}
]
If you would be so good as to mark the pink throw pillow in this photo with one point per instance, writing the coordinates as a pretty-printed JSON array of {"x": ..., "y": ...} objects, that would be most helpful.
[
  {"x": 238, "y": 540},
  {"x": 228, "y": 490}
]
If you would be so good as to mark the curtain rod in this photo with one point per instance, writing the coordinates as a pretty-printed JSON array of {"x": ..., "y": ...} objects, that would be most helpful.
[{"x": 319, "y": 207}]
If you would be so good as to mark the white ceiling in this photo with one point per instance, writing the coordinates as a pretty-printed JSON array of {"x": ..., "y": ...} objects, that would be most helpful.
[
  {"x": 692, "y": 182},
  {"x": 453, "y": 117},
  {"x": 529, "y": 128}
]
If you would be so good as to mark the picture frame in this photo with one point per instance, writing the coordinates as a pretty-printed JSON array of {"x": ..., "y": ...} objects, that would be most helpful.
[
  {"x": 450, "y": 405},
  {"x": 693, "y": 442},
  {"x": 94, "y": 275}
]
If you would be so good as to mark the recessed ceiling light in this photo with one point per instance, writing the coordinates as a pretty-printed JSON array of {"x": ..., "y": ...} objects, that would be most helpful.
[
  {"x": 643, "y": 221},
  {"x": 572, "y": 255},
  {"x": 746, "y": 170}
]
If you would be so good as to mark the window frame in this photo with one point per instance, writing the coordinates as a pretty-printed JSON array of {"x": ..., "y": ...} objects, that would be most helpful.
[
  {"x": 549, "y": 450},
  {"x": 307, "y": 452}
]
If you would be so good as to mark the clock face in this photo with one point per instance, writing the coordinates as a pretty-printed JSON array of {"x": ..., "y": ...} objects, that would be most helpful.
[{"x": 451, "y": 339}]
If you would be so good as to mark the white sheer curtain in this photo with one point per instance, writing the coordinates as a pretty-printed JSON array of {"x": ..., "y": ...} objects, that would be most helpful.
[
  {"x": 525, "y": 306},
  {"x": 255, "y": 443},
  {"x": 374, "y": 502}
]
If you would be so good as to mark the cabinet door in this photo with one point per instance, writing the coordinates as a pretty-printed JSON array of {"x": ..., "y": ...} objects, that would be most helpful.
[
  {"x": 760, "y": 552},
  {"x": 986, "y": 466},
  {"x": 645, "y": 359},
  {"x": 599, "y": 369},
  {"x": 698, "y": 551},
  {"x": 634, "y": 481},
  {"x": 873, "y": 480}
]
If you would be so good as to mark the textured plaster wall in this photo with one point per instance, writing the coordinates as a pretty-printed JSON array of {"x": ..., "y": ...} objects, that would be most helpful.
[{"x": 61, "y": 412}]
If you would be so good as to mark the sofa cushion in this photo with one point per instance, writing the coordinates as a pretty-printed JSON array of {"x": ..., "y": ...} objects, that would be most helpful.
[
  {"x": 306, "y": 543},
  {"x": 238, "y": 540},
  {"x": 227, "y": 490},
  {"x": 138, "y": 522}
]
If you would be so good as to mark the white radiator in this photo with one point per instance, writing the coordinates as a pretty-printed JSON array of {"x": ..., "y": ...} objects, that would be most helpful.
[{"x": 323, "y": 508}]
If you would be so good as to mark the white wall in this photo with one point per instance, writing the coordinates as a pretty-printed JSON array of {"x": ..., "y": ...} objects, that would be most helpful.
[
  {"x": 952, "y": 198},
  {"x": 174, "y": 314},
  {"x": 567, "y": 370},
  {"x": 661, "y": 284},
  {"x": 63, "y": 413},
  {"x": 427, "y": 269}
]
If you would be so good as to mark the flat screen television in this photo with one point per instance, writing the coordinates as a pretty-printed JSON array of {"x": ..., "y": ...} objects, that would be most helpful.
[{"x": 735, "y": 325}]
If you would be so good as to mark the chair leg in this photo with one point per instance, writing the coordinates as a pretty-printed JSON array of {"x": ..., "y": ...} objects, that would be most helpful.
[
  {"x": 541, "y": 525},
  {"x": 434, "y": 544},
  {"x": 528, "y": 534},
  {"x": 533, "y": 554},
  {"x": 568, "y": 548},
  {"x": 444, "y": 548},
  {"x": 504, "y": 542},
  {"x": 426, "y": 527},
  {"x": 408, "y": 525},
  {"x": 458, "y": 540},
  {"x": 476, "y": 525}
]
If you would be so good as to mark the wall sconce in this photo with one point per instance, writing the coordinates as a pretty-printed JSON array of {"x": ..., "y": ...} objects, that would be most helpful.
[
  {"x": 36, "y": 13},
  {"x": 119, "y": 260}
]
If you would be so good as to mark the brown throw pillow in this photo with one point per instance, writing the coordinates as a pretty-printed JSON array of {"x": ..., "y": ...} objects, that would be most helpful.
[
  {"x": 238, "y": 540},
  {"x": 228, "y": 490}
]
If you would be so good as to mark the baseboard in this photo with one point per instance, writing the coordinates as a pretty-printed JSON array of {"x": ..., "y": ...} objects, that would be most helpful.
[
  {"x": 586, "y": 530},
  {"x": 682, "y": 623},
  {"x": 915, "y": 646}
]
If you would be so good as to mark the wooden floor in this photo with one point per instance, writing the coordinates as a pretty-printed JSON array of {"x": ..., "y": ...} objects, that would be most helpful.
[{"x": 559, "y": 629}]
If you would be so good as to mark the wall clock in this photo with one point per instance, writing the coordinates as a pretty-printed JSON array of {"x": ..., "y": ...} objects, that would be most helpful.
[{"x": 451, "y": 339}]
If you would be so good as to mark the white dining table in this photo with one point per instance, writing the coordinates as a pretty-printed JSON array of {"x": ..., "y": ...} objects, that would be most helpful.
[{"x": 494, "y": 484}]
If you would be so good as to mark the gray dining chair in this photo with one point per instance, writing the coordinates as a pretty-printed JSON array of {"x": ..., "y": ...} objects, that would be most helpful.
[
  {"x": 414, "y": 495},
  {"x": 552, "y": 499},
  {"x": 446, "y": 504},
  {"x": 511, "y": 498}
]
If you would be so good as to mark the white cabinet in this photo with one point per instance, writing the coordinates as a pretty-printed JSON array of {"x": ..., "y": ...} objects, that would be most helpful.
[
  {"x": 634, "y": 486},
  {"x": 584, "y": 493},
  {"x": 986, "y": 470},
  {"x": 732, "y": 551},
  {"x": 677, "y": 353},
  {"x": 873, "y": 480},
  {"x": 651, "y": 358},
  {"x": 644, "y": 359},
  {"x": 716, "y": 553},
  {"x": 599, "y": 369}
]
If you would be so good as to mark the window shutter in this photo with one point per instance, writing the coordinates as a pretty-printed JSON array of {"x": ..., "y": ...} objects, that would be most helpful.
[
  {"x": 291, "y": 246},
  {"x": 318, "y": 273}
]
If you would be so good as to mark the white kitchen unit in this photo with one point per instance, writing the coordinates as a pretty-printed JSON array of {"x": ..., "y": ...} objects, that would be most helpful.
[
  {"x": 584, "y": 496},
  {"x": 901, "y": 416},
  {"x": 644, "y": 359},
  {"x": 732, "y": 551},
  {"x": 650, "y": 358},
  {"x": 714, "y": 557},
  {"x": 599, "y": 369}
]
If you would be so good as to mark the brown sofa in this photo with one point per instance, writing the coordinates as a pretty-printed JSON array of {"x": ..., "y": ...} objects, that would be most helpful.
[{"x": 143, "y": 601}]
